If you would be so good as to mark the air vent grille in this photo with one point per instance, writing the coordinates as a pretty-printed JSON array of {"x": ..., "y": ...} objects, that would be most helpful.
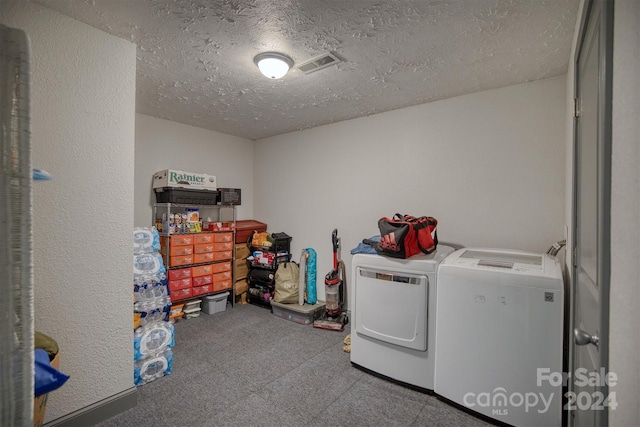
[{"x": 318, "y": 63}]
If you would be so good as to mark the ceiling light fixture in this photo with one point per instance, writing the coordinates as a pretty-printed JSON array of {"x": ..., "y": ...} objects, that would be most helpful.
[{"x": 273, "y": 65}]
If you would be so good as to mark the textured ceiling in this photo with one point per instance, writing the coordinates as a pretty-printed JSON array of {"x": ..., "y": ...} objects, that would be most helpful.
[{"x": 195, "y": 57}]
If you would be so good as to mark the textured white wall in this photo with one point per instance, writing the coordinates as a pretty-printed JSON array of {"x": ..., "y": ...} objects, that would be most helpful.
[
  {"x": 624, "y": 333},
  {"x": 489, "y": 166},
  {"x": 82, "y": 122},
  {"x": 161, "y": 144}
]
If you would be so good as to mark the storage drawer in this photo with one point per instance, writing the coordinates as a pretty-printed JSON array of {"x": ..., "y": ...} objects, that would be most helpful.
[
  {"x": 178, "y": 240},
  {"x": 223, "y": 237},
  {"x": 201, "y": 290},
  {"x": 202, "y": 280},
  {"x": 221, "y": 285},
  {"x": 181, "y": 250},
  {"x": 204, "y": 248},
  {"x": 175, "y": 261},
  {"x": 223, "y": 246},
  {"x": 208, "y": 257},
  {"x": 225, "y": 275},
  {"x": 220, "y": 267},
  {"x": 222, "y": 255},
  {"x": 181, "y": 294},
  {"x": 174, "y": 285},
  {"x": 213, "y": 247},
  {"x": 201, "y": 270},
  {"x": 179, "y": 273},
  {"x": 203, "y": 238}
]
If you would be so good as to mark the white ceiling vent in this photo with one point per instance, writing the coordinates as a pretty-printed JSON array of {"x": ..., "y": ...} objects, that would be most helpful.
[{"x": 318, "y": 63}]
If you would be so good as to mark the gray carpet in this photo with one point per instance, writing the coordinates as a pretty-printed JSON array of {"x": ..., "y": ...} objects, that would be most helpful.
[{"x": 247, "y": 367}]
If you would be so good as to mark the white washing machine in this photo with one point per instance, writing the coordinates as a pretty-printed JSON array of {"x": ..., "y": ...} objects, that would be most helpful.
[
  {"x": 393, "y": 315},
  {"x": 499, "y": 341}
]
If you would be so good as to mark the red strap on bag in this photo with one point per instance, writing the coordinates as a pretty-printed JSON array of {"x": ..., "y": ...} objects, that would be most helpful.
[{"x": 427, "y": 239}]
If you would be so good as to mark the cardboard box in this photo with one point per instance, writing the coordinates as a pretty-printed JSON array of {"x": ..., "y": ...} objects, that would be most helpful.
[
  {"x": 242, "y": 269},
  {"x": 241, "y": 287},
  {"x": 242, "y": 251},
  {"x": 182, "y": 179}
]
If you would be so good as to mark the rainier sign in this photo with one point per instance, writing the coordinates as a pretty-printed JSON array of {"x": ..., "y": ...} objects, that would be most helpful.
[{"x": 182, "y": 179}]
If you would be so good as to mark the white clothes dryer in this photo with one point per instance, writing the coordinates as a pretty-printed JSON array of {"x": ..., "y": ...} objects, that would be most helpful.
[{"x": 393, "y": 315}]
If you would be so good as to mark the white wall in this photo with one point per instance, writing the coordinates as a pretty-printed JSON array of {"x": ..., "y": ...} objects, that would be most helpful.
[
  {"x": 82, "y": 123},
  {"x": 490, "y": 166},
  {"x": 624, "y": 333},
  {"x": 161, "y": 144}
]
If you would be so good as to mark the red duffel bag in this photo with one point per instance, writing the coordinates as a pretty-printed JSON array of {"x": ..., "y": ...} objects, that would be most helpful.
[{"x": 404, "y": 235}]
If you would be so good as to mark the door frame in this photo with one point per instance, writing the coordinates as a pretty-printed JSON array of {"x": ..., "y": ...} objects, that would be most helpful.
[{"x": 604, "y": 181}]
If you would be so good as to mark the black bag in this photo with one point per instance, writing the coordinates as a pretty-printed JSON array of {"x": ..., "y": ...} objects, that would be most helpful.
[
  {"x": 257, "y": 276},
  {"x": 404, "y": 235}
]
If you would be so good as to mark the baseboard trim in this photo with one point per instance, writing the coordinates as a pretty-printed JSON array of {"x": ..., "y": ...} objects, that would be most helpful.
[{"x": 99, "y": 411}]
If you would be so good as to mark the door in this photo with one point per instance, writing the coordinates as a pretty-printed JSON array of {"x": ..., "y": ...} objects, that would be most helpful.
[
  {"x": 392, "y": 307},
  {"x": 591, "y": 217}
]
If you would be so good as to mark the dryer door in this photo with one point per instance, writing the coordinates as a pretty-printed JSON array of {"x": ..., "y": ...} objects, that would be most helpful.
[{"x": 392, "y": 307}]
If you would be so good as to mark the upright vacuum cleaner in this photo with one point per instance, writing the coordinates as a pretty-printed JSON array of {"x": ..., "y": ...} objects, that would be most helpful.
[{"x": 334, "y": 316}]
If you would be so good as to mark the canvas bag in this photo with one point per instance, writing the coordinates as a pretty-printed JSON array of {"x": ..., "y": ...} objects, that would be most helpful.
[
  {"x": 287, "y": 278},
  {"x": 404, "y": 235}
]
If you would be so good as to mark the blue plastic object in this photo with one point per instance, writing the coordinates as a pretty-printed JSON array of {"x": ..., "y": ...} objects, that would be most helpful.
[
  {"x": 312, "y": 295},
  {"x": 47, "y": 378},
  {"x": 41, "y": 175}
]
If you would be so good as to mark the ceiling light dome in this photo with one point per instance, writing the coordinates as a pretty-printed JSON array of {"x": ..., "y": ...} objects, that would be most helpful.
[{"x": 273, "y": 65}]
